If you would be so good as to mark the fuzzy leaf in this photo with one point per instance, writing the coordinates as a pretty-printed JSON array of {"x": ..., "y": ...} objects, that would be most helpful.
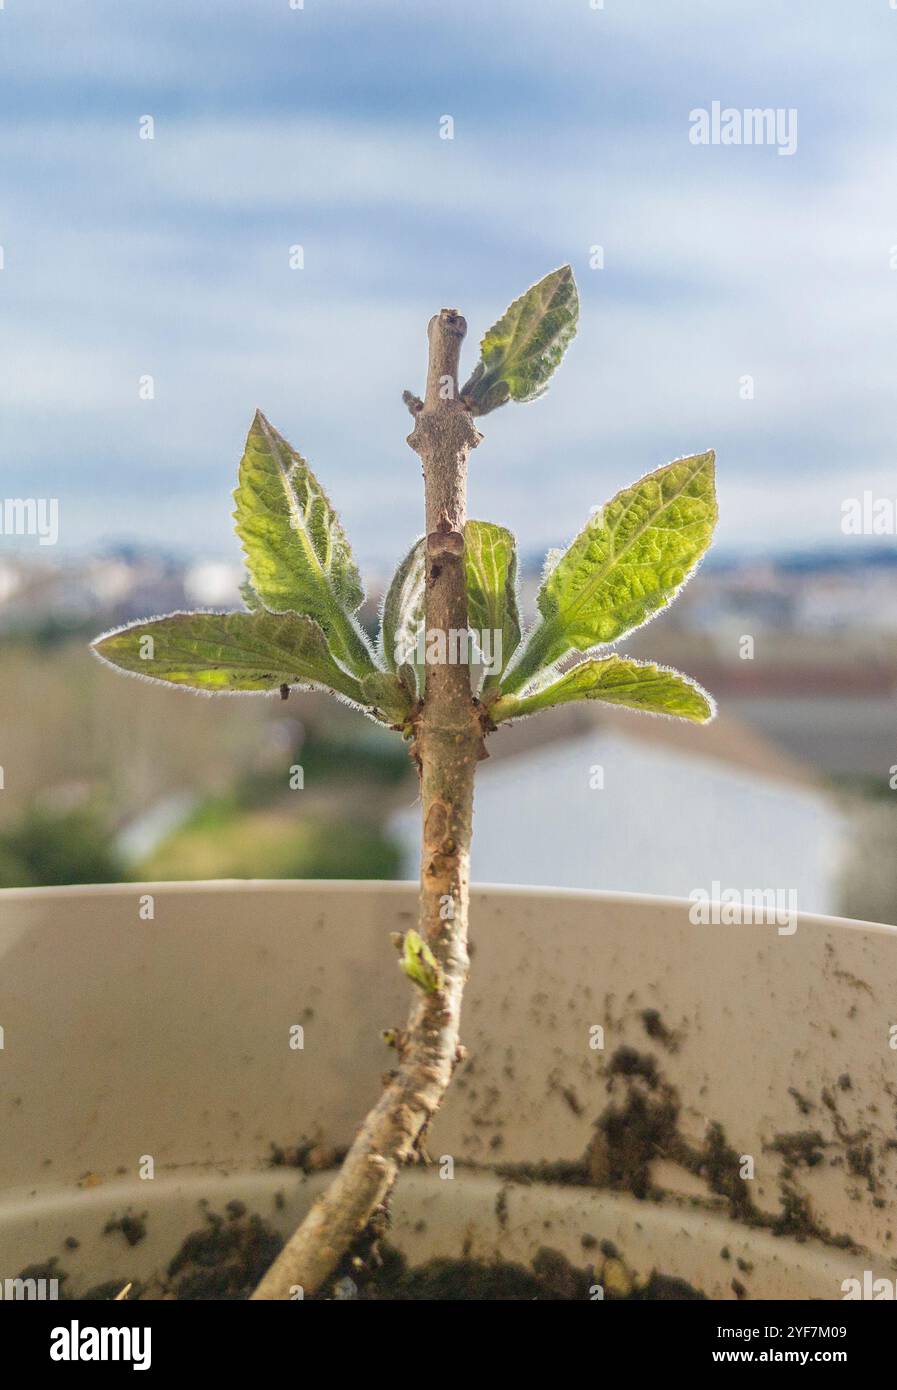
[
  {"x": 296, "y": 551},
  {"x": 227, "y": 652},
  {"x": 522, "y": 351},
  {"x": 402, "y": 620},
  {"x": 419, "y": 963},
  {"x": 630, "y": 559},
  {"x": 616, "y": 680},
  {"x": 250, "y": 597},
  {"x": 490, "y": 558},
  {"x": 388, "y": 693}
]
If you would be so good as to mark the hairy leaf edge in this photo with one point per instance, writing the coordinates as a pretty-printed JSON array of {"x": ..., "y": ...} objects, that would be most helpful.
[
  {"x": 191, "y": 690},
  {"x": 552, "y": 559},
  {"x": 340, "y": 612},
  {"x": 557, "y": 675}
]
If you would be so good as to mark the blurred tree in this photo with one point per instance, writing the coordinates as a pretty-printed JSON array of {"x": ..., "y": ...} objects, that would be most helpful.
[{"x": 46, "y": 847}]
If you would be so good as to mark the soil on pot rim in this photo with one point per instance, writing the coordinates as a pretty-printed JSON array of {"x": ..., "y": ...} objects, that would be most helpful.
[
  {"x": 225, "y": 1257},
  {"x": 227, "y": 1254}
]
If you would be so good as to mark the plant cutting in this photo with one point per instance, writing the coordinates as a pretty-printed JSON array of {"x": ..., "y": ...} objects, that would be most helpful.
[{"x": 451, "y": 665}]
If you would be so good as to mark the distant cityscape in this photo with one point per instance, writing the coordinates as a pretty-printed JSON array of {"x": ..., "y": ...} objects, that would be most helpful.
[
  {"x": 799, "y": 651},
  {"x": 801, "y": 645},
  {"x": 821, "y": 591}
]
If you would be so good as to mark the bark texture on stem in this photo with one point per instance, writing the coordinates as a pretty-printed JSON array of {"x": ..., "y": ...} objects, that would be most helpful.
[{"x": 448, "y": 745}]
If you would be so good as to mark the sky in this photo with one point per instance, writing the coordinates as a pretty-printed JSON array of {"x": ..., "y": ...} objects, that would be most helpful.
[{"x": 320, "y": 126}]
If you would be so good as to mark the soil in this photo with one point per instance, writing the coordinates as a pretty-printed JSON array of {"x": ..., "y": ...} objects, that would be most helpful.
[
  {"x": 641, "y": 1124},
  {"x": 551, "y": 1278},
  {"x": 308, "y": 1156},
  {"x": 226, "y": 1256},
  {"x": 133, "y": 1228}
]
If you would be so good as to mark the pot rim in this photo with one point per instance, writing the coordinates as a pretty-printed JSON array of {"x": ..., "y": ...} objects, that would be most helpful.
[{"x": 379, "y": 886}]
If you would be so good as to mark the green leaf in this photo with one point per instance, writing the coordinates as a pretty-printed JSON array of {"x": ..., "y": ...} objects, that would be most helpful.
[
  {"x": 490, "y": 558},
  {"x": 630, "y": 560},
  {"x": 386, "y": 692},
  {"x": 228, "y": 652},
  {"x": 297, "y": 553},
  {"x": 522, "y": 351},
  {"x": 419, "y": 963},
  {"x": 617, "y": 681},
  {"x": 402, "y": 620},
  {"x": 491, "y": 567},
  {"x": 250, "y": 597}
]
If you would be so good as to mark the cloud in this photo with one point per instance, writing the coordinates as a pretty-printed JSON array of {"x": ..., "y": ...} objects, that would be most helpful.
[{"x": 170, "y": 257}]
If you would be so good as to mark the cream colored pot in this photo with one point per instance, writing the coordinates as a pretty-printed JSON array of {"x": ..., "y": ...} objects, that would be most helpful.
[{"x": 158, "y": 1040}]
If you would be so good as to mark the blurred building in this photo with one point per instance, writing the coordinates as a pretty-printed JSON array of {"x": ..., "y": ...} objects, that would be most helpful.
[
  {"x": 121, "y": 585},
  {"x": 590, "y": 797}
]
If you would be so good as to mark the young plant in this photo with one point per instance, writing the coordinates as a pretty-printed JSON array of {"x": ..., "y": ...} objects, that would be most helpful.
[{"x": 300, "y": 630}]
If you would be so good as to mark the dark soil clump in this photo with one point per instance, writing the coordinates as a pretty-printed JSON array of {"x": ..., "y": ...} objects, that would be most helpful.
[
  {"x": 383, "y": 1275},
  {"x": 225, "y": 1259},
  {"x": 307, "y": 1156},
  {"x": 551, "y": 1279},
  {"x": 133, "y": 1228}
]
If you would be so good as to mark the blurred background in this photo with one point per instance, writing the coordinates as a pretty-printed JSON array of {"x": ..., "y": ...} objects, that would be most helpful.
[{"x": 209, "y": 207}]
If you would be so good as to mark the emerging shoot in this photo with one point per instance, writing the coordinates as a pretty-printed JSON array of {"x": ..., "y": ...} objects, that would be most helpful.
[{"x": 451, "y": 664}]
